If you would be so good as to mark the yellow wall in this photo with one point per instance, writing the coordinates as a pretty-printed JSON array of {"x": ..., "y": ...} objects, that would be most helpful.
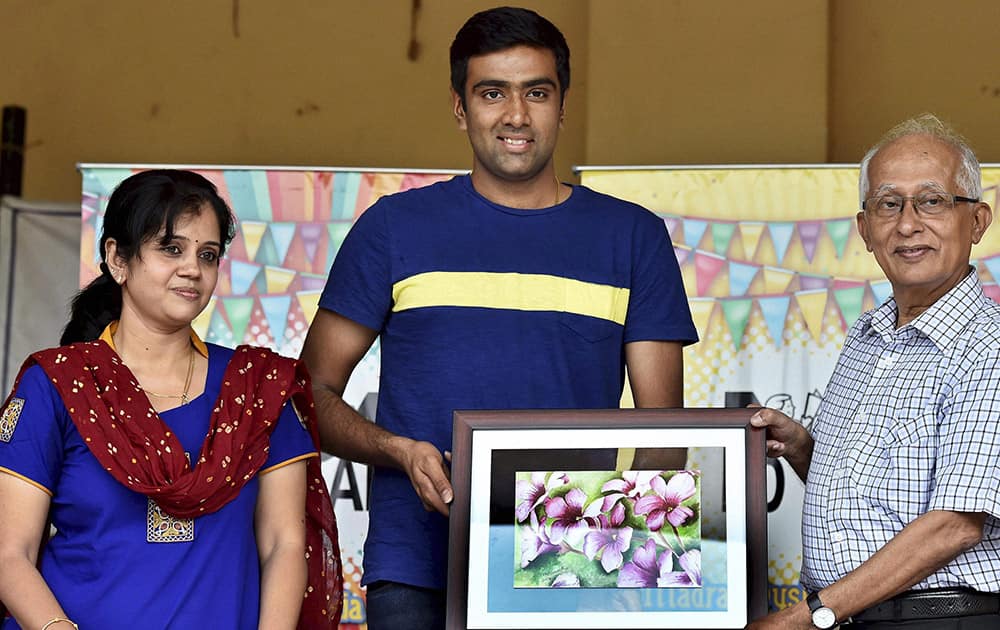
[{"x": 328, "y": 82}]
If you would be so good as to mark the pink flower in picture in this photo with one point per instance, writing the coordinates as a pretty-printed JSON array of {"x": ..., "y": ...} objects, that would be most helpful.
[
  {"x": 610, "y": 540},
  {"x": 690, "y": 576},
  {"x": 646, "y": 566},
  {"x": 530, "y": 494},
  {"x": 632, "y": 484},
  {"x": 568, "y": 514},
  {"x": 534, "y": 542},
  {"x": 664, "y": 503}
]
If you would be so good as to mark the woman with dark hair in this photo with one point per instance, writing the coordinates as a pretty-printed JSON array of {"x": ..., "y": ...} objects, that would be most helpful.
[{"x": 182, "y": 478}]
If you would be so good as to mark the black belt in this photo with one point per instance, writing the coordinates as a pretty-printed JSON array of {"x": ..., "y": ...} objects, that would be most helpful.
[{"x": 932, "y": 604}]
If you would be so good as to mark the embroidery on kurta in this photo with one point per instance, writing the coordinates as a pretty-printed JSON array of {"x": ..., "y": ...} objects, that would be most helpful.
[
  {"x": 163, "y": 528},
  {"x": 8, "y": 421}
]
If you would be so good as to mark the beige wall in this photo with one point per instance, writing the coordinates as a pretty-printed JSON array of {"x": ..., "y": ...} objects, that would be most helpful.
[
  {"x": 897, "y": 58},
  {"x": 707, "y": 82},
  {"x": 328, "y": 82}
]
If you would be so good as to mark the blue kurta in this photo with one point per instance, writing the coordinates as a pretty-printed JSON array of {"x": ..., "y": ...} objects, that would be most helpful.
[{"x": 100, "y": 564}]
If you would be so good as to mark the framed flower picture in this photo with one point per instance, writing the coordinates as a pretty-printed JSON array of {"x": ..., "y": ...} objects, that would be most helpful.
[{"x": 607, "y": 519}]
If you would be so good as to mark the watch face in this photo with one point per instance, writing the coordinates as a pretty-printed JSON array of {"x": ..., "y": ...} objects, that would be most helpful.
[{"x": 824, "y": 618}]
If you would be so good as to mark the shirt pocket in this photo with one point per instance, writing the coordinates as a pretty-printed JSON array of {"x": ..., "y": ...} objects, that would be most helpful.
[
  {"x": 897, "y": 476},
  {"x": 590, "y": 329}
]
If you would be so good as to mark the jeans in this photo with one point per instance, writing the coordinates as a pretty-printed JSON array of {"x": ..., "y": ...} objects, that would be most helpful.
[{"x": 395, "y": 606}]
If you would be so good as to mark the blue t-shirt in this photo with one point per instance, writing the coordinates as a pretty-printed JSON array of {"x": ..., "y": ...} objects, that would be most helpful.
[
  {"x": 481, "y": 306},
  {"x": 100, "y": 564}
]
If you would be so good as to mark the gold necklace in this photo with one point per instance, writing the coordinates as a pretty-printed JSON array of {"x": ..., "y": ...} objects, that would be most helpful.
[{"x": 187, "y": 384}]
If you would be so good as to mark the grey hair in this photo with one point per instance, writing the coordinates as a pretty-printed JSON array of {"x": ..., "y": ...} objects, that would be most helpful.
[{"x": 968, "y": 179}]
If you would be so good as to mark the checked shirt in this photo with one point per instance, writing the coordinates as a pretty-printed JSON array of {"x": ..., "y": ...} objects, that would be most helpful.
[{"x": 908, "y": 424}]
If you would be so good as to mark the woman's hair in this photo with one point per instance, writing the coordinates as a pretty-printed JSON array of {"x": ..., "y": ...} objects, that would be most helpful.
[{"x": 139, "y": 208}]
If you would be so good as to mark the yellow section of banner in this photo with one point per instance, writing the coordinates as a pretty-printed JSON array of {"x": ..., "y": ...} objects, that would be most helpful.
[
  {"x": 278, "y": 279},
  {"x": 309, "y": 303},
  {"x": 813, "y": 306},
  {"x": 253, "y": 232}
]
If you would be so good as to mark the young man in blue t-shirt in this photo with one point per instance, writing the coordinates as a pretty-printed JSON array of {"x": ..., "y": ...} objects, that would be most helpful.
[{"x": 503, "y": 289}]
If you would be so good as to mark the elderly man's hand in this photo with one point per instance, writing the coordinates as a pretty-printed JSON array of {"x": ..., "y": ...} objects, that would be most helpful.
[
  {"x": 785, "y": 438},
  {"x": 792, "y": 618}
]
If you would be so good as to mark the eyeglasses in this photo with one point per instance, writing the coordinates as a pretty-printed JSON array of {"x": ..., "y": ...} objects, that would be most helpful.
[{"x": 929, "y": 204}]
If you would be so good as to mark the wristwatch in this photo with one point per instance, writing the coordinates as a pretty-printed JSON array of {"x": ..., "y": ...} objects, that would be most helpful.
[{"x": 822, "y": 617}]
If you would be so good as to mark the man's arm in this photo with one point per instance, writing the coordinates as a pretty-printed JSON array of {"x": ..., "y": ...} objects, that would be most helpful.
[
  {"x": 928, "y": 543},
  {"x": 656, "y": 375},
  {"x": 332, "y": 349}
]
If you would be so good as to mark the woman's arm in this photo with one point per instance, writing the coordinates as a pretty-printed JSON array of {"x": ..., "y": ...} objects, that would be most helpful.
[
  {"x": 23, "y": 513},
  {"x": 281, "y": 544}
]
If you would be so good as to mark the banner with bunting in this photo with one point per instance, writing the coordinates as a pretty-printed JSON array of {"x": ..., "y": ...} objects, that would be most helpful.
[
  {"x": 290, "y": 224},
  {"x": 770, "y": 258},
  {"x": 776, "y": 273}
]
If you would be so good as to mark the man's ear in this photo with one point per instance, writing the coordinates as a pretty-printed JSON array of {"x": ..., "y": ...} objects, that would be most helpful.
[
  {"x": 863, "y": 230},
  {"x": 981, "y": 220},
  {"x": 458, "y": 109}
]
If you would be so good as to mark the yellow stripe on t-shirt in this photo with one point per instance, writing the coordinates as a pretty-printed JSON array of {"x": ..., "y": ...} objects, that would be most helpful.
[{"x": 515, "y": 291}]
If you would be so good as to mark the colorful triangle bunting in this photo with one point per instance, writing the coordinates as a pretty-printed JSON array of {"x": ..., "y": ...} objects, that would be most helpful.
[
  {"x": 278, "y": 279},
  {"x": 740, "y": 277},
  {"x": 809, "y": 282},
  {"x": 722, "y": 233},
  {"x": 839, "y": 232},
  {"x": 776, "y": 280},
  {"x": 813, "y": 305},
  {"x": 850, "y": 302},
  {"x": 239, "y": 310},
  {"x": 694, "y": 230},
  {"x": 750, "y": 233},
  {"x": 809, "y": 232},
  {"x": 993, "y": 266},
  {"x": 310, "y": 234},
  {"x": 701, "y": 313},
  {"x": 672, "y": 223},
  {"x": 881, "y": 291},
  {"x": 242, "y": 275},
  {"x": 775, "y": 310},
  {"x": 737, "y": 314},
  {"x": 309, "y": 303},
  {"x": 707, "y": 267},
  {"x": 282, "y": 234},
  {"x": 253, "y": 232},
  {"x": 781, "y": 236},
  {"x": 276, "y": 311}
]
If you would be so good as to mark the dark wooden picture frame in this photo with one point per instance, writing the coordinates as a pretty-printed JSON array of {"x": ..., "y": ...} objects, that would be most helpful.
[{"x": 535, "y": 456}]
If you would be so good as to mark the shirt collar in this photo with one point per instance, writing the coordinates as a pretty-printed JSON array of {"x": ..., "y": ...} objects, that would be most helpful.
[
  {"x": 941, "y": 323},
  {"x": 108, "y": 337}
]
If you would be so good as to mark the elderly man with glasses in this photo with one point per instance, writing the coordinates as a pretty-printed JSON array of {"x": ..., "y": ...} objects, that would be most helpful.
[{"x": 901, "y": 524}]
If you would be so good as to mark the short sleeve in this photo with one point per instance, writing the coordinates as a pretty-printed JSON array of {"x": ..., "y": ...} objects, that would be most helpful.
[
  {"x": 968, "y": 462},
  {"x": 360, "y": 286},
  {"x": 289, "y": 441},
  {"x": 658, "y": 307},
  {"x": 32, "y": 431}
]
